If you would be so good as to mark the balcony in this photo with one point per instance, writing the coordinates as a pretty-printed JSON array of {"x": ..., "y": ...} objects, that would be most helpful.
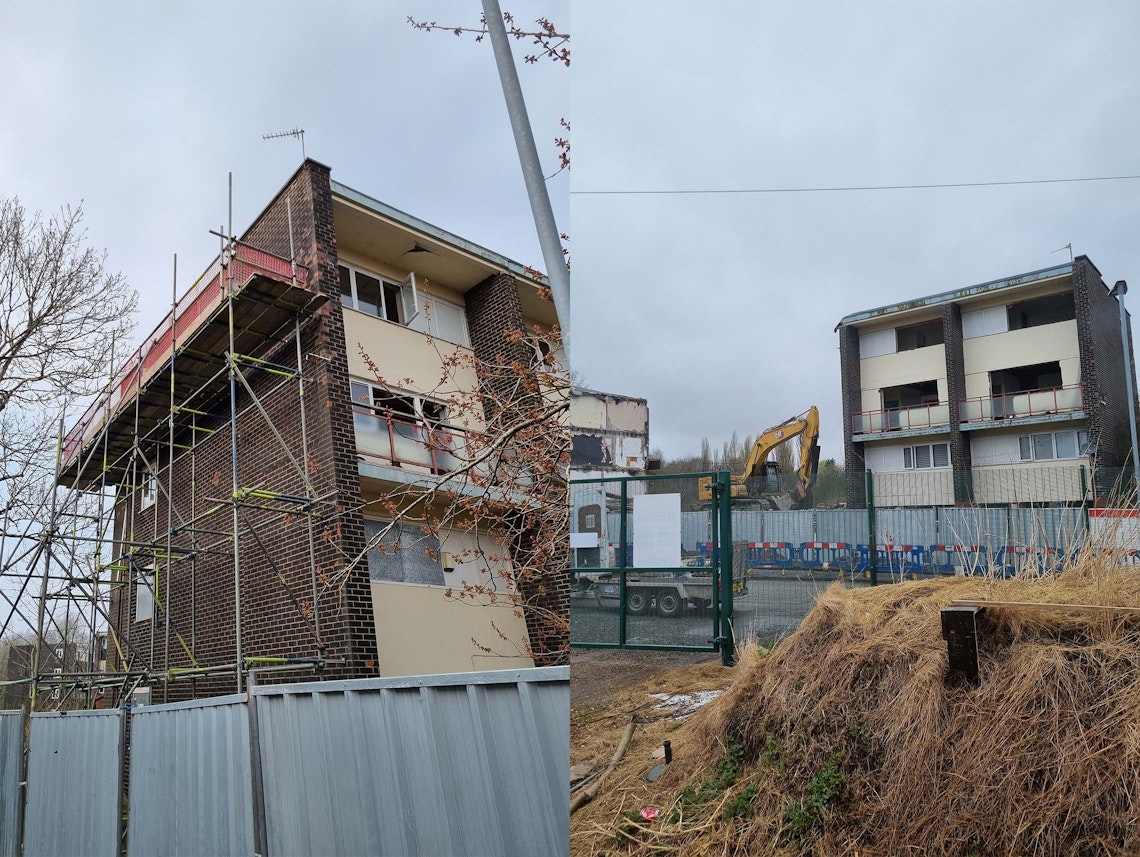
[
  {"x": 381, "y": 437},
  {"x": 1028, "y": 403},
  {"x": 901, "y": 419}
]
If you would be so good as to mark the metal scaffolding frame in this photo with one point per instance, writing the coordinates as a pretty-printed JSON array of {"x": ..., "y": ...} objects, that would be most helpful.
[{"x": 89, "y": 543}]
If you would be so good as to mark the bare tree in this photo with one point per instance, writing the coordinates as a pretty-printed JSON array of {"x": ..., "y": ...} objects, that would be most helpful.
[{"x": 61, "y": 311}]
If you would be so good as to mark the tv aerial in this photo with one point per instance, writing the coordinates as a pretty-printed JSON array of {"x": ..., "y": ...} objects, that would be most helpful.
[{"x": 297, "y": 133}]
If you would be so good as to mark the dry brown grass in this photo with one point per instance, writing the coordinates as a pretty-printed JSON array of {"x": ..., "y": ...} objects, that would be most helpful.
[{"x": 849, "y": 738}]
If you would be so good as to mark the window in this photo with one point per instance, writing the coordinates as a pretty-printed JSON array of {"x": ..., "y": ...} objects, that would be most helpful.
[
  {"x": 144, "y": 595},
  {"x": 149, "y": 492},
  {"x": 415, "y": 559},
  {"x": 404, "y": 428},
  {"x": 984, "y": 322},
  {"x": 1046, "y": 446},
  {"x": 55, "y": 693},
  {"x": 59, "y": 654},
  {"x": 395, "y": 302},
  {"x": 877, "y": 344},
  {"x": 443, "y": 320},
  {"x": 925, "y": 456}
]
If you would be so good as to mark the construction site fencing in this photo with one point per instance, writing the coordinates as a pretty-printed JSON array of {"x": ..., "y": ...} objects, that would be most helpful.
[
  {"x": 641, "y": 576},
  {"x": 75, "y": 768},
  {"x": 464, "y": 764},
  {"x": 190, "y": 779},
  {"x": 895, "y": 526},
  {"x": 11, "y": 759}
]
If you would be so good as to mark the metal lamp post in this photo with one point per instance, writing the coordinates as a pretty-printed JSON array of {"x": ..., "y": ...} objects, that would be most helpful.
[{"x": 1118, "y": 292}]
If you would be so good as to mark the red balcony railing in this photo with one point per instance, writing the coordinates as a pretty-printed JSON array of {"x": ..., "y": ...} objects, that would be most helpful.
[
  {"x": 1030, "y": 403},
  {"x": 402, "y": 441},
  {"x": 207, "y": 292},
  {"x": 899, "y": 419}
]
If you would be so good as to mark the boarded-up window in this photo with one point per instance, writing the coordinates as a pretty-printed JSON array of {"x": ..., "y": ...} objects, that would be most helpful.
[{"x": 409, "y": 561}]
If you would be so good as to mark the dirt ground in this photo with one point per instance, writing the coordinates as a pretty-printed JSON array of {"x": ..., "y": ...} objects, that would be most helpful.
[{"x": 608, "y": 687}]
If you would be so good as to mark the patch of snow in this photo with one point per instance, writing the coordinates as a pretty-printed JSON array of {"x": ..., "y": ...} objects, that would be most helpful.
[{"x": 684, "y": 703}]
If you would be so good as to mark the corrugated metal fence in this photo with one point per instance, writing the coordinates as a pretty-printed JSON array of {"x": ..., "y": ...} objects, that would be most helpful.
[
  {"x": 465, "y": 764},
  {"x": 11, "y": 753},
  {"x": 75, "y": 768}
]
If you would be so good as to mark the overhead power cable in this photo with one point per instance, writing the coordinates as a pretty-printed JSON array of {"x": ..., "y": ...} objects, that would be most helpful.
[{"x": 846, "y": 189}]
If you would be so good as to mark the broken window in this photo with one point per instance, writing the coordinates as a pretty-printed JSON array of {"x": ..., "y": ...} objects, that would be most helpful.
[
  {"x": 404, "y": 428},
  {"x": 920, "y": 335},
  {"x": 400, "y": 303},
  {"x": 1046, "y": 310},
  {"x": 408, "y": 555}
]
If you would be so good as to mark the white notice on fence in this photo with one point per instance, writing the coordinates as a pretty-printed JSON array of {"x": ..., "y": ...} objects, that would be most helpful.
[{"x": 657, "y": 531}]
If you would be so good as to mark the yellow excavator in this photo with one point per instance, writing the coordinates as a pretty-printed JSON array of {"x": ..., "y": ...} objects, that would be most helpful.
[{"x": 760, "y": 481}]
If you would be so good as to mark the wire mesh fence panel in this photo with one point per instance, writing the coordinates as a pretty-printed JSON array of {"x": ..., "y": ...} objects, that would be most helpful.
[
  {"x": 775, "y": 602},
  {"x": 646, "y": 560}
]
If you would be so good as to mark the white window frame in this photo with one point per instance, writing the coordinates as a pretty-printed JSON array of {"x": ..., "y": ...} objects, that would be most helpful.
[
  {"x": 429, "y": 303},
  {"x": 143, "y": 591},
  {"x": 59, "y": 654},
  {"x": 909, "y": 453},
  {"x": 1082, "y": 438},
  {"x": 149, "y": 492},
  {"x": 409, "y": 308}
]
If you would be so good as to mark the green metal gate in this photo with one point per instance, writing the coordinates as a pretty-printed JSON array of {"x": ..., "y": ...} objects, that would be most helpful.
[{"x": 619, "y": 602}]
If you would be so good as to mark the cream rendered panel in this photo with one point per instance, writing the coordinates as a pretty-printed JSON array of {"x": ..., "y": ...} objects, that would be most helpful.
[
  {"x": 420, "y": 630},
  {"x": 588, "y": 412},
  {"x": 1042, "y": 344},
  {"x": 905, "y": 367},
  {"x": 405, "y": 358}
]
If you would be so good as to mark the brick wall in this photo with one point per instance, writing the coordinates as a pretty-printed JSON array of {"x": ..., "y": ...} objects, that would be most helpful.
[
  {"x": 277, "y": 615},
  {"x": 854, "y": 462},
  {"x": 493, "y": 312},
  {"x": 1102, "y": 366},
  {"x": 960, "y": 459}
]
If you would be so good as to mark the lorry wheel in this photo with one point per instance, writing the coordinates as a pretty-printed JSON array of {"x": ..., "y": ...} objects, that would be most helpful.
[
  {"x": 636, "y": 601},
  {"x": 669, "y": 603}
]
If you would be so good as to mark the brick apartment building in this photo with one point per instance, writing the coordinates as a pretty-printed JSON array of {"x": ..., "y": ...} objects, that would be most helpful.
[
  {"x": 54, "y": 659},
  {"x": 316, "y": 452},
  {"x": 950, "y": 393}
]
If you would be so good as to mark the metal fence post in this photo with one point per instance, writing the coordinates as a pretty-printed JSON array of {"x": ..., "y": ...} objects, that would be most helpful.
[
  {"x": 257, "y": 785},
  {"x": 1085, "y": 501},
  {"x": 872, "y": 539},
  {"x": 623, "y": 531},
  {"x": 727, "y": 651}
]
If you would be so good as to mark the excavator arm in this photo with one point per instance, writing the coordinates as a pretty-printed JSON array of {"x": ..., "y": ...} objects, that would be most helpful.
[{"x": 805, "y": 426}]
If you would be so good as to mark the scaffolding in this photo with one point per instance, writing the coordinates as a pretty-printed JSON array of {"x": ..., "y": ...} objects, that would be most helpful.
[{"x": 221, "y": 353}]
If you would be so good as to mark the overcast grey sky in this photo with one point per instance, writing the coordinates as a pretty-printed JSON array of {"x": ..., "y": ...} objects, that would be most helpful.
[
  {"x": 139, "y": 110},
  {"x": 719, "y": 309}
]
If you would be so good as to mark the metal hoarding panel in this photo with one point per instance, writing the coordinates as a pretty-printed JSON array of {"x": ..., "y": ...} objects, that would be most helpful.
[
  {"x": 11, "y": 752},
  {"x": 468, "y": 764},
  {"x": 190, "y": 790},
  {"x": 74, "y": 777}
]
